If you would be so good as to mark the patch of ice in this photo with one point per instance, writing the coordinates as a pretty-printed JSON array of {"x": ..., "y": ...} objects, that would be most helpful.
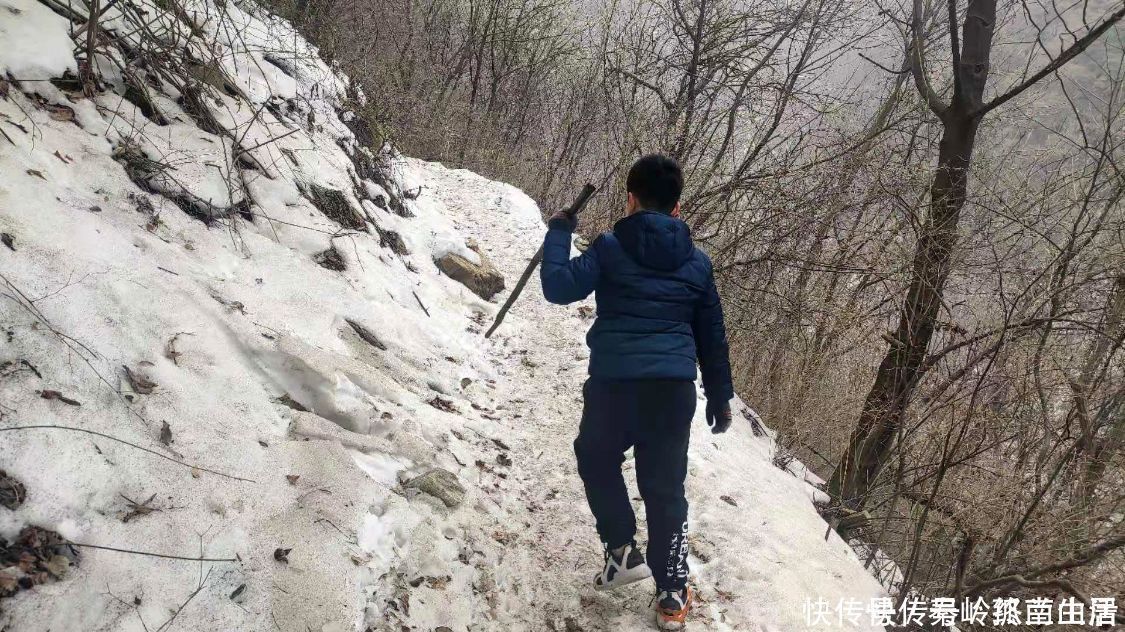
[{"x": 382, "y": 468}]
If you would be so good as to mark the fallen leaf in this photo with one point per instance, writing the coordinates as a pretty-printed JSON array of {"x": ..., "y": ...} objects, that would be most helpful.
[
  {"x": 238, "y": 591},
  {"x": 728, "y": 500},
  {"x": 166, "y": 434},
  {"x": 504, "y": 459},
  {"x": 12, "y": 492},
  {"x": 138, "y": 509},
  {"x": 281, "y": 555},
  {"x": 31, "y": 559},
  {"x": 30, "y": 366},
  {"x": 60, "y": 112},
  {"x": 500, "y": 444},
  {"x": 140, "y": 383},
  {"x": 5, "y": 87},
  {"x": 292, "y": 403},
  {"x": 9, "y": 241},
  {"x": 233, "y": 306},
  {"x": 60, "y": 157},
  {"x": 36, "y": 173},
  {"x": 195, "y": 472},
  {"x": 170, "y": 351},
  {"x": 441, "y": 403},
  {"x": 292, "y": 478},
  {"x": 49, "y": 394},
  {"x": 438, "y": 583},
  {"x": 8, "y": 584}
]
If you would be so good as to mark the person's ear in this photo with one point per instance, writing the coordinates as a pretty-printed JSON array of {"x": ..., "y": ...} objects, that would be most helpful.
[
  {"x": 675, "y": 210},
  {"x": 630, "y": 203}
]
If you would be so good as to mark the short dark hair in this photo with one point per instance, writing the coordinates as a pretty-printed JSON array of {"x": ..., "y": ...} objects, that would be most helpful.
[{"x": 656, "y": 181}]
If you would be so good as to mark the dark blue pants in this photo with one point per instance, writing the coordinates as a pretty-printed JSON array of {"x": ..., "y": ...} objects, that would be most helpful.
[{"x": 654, "y": 418}]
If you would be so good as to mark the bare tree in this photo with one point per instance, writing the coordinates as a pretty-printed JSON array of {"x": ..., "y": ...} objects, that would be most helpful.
[{"x": 905, "y": 360}]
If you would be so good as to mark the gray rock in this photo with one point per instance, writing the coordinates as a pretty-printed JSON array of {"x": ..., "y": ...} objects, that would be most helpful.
[
  {"x": 483, "y": 279},
  {"x": 441, "y": 484}
]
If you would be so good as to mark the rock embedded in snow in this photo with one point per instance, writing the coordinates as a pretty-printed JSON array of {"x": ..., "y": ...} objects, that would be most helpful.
[
  {"x": 391, "y": 239},
  {"x": 335, "y": 206},
  {"x": 441, "y": 484},
  {"x": 331, "y": 259},
  {"x": 483, "y": 279}
]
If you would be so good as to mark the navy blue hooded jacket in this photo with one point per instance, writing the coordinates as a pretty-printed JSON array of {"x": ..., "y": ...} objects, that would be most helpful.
[{"x": 658, "y": 310}]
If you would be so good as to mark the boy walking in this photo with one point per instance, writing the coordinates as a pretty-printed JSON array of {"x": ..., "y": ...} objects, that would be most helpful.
[{"x": 657, "y": 313}]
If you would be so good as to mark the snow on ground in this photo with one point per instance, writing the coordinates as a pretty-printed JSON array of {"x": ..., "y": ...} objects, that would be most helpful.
[{"x": 238, "y": 327}]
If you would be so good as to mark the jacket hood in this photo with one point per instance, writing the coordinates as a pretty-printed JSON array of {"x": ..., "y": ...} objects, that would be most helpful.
[{"x": 655, "y": 240}]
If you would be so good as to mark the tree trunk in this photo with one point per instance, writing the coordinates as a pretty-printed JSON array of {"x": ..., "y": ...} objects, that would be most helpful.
[{"x": 901, "y": 368}]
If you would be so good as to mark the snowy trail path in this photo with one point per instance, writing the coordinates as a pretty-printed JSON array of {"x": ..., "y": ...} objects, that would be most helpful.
[{"x": 753, "y": 565}]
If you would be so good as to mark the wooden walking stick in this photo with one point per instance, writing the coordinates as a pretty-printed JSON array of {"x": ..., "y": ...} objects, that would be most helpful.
[{"x": 579, "y": 203}]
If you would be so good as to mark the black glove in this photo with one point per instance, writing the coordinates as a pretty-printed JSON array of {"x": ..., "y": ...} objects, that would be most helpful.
[
  {"x": 718, "y": 415},
  {"x": 563, "y": 220}
]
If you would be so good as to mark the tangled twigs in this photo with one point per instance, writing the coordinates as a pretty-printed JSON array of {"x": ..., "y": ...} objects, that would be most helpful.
[
  {"x": 133, "y": 445},
  {"x": 202, "y": 582}
]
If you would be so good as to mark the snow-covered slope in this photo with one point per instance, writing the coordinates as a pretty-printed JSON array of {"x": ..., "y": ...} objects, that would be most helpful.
[{"x": 186, "y": 351}]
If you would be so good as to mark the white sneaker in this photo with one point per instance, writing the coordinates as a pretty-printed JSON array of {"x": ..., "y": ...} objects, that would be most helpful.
[{"x": 629, "y": 568}]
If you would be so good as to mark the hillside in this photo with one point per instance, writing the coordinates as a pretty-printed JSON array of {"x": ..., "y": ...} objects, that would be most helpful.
[{"x": 226, "y": 337}]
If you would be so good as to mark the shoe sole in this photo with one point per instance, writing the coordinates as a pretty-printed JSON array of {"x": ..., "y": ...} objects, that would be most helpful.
[
  {"x": 672, "y": 624},
  {"x": 624, "y": 578}
]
